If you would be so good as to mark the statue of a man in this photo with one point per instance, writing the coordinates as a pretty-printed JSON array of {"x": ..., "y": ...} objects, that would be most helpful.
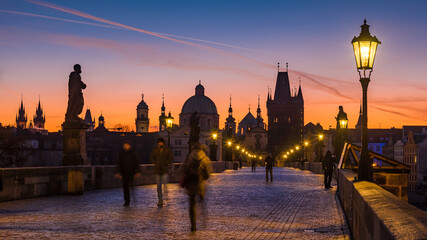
[
  {"x": 341, "y": 116},
  {"x": 75, "y": 95}
]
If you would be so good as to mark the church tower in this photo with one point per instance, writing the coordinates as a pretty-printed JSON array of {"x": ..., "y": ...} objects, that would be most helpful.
[
  {"x": 21, "y": 117},
  {"x": 89, "y": 120},
  {"x": 142, "y": 121},
  {"x": 259, "y": 120},
  {"x": 39, "y": 118},
  {"x": 285, "y": 115},
  {"x": 230, "y": 124},
  {"x": 162, "y": 117}
]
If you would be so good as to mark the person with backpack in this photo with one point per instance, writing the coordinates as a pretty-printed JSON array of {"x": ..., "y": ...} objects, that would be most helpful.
[
  {"x": 162, "y": 159},
  {"x": 196, "y": 169}
]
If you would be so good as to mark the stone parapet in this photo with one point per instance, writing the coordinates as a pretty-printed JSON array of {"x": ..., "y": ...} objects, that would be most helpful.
[
  {"x": 20, "y": 183},
  {"x": 374, "y": 213}
]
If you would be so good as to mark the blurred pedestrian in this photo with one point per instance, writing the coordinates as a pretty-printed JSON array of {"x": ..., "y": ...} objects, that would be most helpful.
[
  {"x": 162, "y": 159},
  {"x": 328, "y": 168},
  {"x": 269, "y": 162},
  {"x": 196, "y": 169},
  {"x": 128, "y": 169},
  {"x": 253, "y": 164}
]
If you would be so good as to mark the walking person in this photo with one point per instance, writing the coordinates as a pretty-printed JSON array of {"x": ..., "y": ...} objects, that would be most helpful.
[
  {"x": 162, "y": 159},
  {"x": 269, "y": 162},
  {"x": 128, "y": 169},
  {"x": 196, "y": 169},
  {"x": 253, "y": 163},
  {"x": 328, "y": 168}
]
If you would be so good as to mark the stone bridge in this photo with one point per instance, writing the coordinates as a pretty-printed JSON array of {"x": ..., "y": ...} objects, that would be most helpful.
[{"x": 239, "y": 205}]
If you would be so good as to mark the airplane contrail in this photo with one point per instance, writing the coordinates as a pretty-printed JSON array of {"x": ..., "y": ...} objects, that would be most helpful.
[
  {"x": 17, "y": 94},
  {"x": 56, "y": 18},
  {"x": 98, "y": 19},
  {"x": 114, "y": 27}
]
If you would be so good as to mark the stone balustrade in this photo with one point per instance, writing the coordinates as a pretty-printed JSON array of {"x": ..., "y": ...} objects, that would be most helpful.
[{"x": 20, "y": 183}]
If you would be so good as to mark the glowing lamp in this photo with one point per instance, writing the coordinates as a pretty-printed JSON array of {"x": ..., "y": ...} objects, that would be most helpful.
[
  {"x": 169, "y": 122},
  {"x": 343, "y": 123},
  {"x": 365, "y": 48}
]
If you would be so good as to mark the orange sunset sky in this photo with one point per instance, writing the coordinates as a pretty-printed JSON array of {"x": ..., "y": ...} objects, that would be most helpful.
[{"x": 166, "y": 47}]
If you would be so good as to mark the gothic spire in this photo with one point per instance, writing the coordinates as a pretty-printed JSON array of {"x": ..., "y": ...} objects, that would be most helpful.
[{"x": 163, "y": 104}]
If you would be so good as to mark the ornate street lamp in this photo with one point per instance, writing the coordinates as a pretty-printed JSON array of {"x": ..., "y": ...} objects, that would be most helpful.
[
  {"x": 169, "y": 125},
  {"x": 365, "y": 48}
]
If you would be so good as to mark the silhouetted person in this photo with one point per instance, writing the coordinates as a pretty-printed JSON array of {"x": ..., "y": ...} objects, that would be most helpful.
[
  {"x": 269, "y": 162},
  {"x": 75, "y": 95},
  {"x": 240, "y": 162},
  {"x": 196, "y": 169},
  {"x": 253, "y": 164},
  {"x": 328, "y": 167},
  {"x": 128, "y": 169},
  {"x": 162, "y": 159}
]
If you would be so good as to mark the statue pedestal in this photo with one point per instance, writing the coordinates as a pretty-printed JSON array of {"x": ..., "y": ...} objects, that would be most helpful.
[
  {"x": 74, "y": 134},
  {"x": 74, "y": 154}
]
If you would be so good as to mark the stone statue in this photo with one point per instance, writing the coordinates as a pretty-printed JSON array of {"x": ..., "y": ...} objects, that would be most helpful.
[
  {"x": 75, "y": 95},
  {"x": 340, "y": 116},
  {"x": 194, "y": 128}
]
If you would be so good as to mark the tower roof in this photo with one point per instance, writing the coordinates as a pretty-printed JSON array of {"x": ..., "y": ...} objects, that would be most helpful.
[
  {"x": 299, "y": 96},
  {"x": 359, "y": 121},
  {"x": 283, "y": 90},
  {"x": 142, "y": 104},
  {"x": 88, "y": 117},
  {"x": 249, "y": 119}
]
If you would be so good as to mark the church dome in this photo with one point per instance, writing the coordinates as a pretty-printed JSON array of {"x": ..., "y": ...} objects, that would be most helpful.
[
  {"x": 199, "y": 103},
  {"x": 142, "y": 104}
]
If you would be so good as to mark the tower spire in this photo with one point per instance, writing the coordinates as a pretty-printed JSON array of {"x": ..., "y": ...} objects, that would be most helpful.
[
  {"x": 278, "y": 67},
  {"x": 287, "y": 67}
]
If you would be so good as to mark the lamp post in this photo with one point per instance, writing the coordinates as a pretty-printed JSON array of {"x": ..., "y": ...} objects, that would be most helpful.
[
  {"x": 341, "y": 131},
  {"x": 365, "y": 48},
  {"x": 305, "y": 151},
  {"x": 319, "y": 147},
  {"x": 169, "y": 125},
  {"x": 213, "y": 147}
]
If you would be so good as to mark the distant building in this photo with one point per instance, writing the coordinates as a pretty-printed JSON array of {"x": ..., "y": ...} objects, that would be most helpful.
[
  {"x": 285, "y": 115},
  {"x": 89, "y": 120},
  {"x": 39, "y": 118},
  {"x": 21, "y": 117},
  {"x": 230, "y": 124},
  {"x": 246, "y": 124},
  {"x": 208, "y": 123},
  {"x": 162, "y": 117},
  {"x": 142, "y": 121}
]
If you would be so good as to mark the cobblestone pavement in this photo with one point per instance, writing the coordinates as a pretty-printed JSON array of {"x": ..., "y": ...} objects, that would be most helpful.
[{"x": 239, "y": 205}]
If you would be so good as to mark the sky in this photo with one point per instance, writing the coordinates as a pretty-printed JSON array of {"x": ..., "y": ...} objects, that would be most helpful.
[{"x": 127, "y": 48}]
